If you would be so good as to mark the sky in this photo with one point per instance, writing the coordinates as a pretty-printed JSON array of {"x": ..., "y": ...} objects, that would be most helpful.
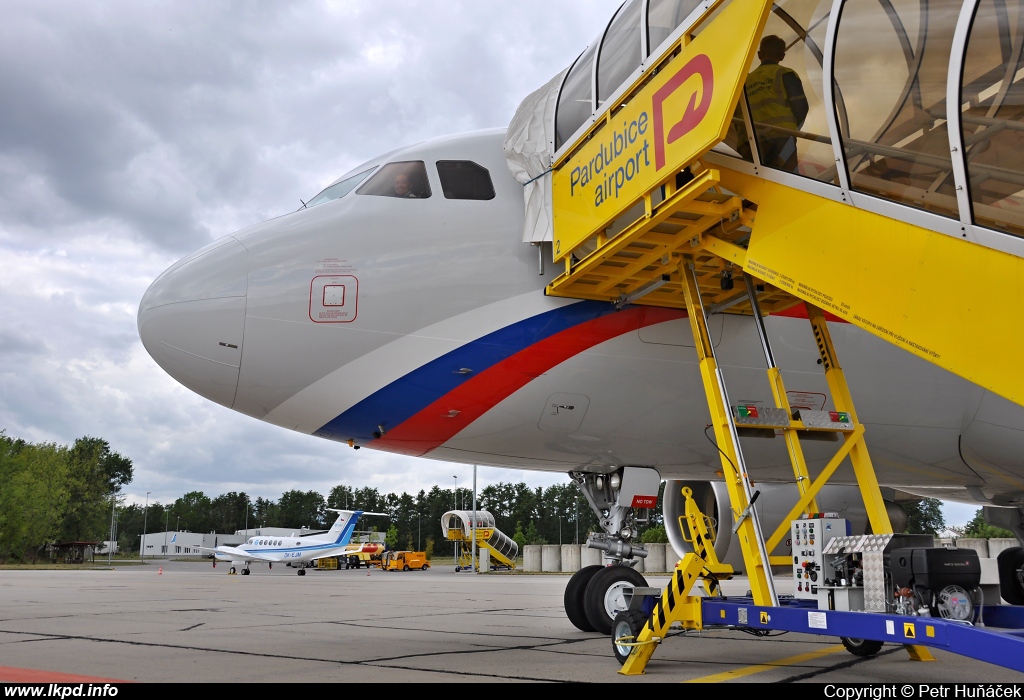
[{"x": 134, "y": 133}]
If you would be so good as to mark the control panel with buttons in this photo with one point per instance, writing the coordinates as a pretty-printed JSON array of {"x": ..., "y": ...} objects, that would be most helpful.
[{"x": 810, "y": 535}]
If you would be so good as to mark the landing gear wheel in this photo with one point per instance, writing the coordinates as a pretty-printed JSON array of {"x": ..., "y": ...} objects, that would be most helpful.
[
  {"x": 861, "y": 647},
  {"x": 573, "y": 600},
  {"x": 270, "y": 565},
  {"x": 626, "y": 628},
  {"x": 245, "y": 572},
  {"x": 605, "y": 596},
  {"x": 302, "y": 572},
  {"x": 1011, "y": 575},
  {"x": 231, "y": 570}
]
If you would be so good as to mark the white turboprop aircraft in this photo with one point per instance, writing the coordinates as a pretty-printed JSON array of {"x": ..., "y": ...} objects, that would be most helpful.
[
  {"x": 401, "y": 310},
  {"x": 295, "y": 551}
]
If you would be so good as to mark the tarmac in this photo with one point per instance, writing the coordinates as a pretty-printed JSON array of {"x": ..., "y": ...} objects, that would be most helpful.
[{"x": 188, "y": 622}]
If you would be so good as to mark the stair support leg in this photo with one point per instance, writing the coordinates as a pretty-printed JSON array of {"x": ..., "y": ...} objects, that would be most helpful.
[
  {"x": 843, "y": 401},
  {"x": 746, "y": 522},
  {"x": 864, "y": 471},
  {"x": 796, "y": 453}
]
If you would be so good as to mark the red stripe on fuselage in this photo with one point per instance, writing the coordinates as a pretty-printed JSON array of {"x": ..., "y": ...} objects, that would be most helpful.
[{"x": 444, "y": 418}]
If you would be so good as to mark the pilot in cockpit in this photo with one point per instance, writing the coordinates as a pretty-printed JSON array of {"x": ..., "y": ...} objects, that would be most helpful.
[
  {"x": 402, "y": 186},
  {"x": 402, "y": 180}
]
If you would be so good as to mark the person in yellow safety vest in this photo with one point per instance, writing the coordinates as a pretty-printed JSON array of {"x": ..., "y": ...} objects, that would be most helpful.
[{"x": 777, "y": 102}]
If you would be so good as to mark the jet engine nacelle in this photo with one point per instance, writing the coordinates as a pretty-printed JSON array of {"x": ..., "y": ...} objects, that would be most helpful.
[{"x": 772, "y": 506}]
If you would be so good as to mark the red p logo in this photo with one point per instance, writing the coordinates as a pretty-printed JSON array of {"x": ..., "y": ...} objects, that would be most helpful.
[{"x": 699, "y": 65}]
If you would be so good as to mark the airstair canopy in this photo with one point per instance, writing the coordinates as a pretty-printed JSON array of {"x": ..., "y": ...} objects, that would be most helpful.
[
  {"x": 462, "y": 520},
  {"x": 528, "y": 152}
]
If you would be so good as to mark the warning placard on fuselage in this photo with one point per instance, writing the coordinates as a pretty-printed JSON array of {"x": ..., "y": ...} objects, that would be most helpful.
[{"x": 676, "y": 117}]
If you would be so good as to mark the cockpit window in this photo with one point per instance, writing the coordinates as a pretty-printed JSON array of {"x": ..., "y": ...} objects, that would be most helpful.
[
  {"x": 338, "y": 189},
  {"x": 405, "y": 180},
  {"x": 464, "y": 179}
]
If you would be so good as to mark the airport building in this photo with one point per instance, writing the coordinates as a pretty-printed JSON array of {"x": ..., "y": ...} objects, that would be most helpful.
[{"x": 185, "y": 544}]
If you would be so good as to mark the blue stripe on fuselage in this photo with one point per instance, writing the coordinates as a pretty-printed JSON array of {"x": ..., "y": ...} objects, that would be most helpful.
[{"x": 408, "y": 395}]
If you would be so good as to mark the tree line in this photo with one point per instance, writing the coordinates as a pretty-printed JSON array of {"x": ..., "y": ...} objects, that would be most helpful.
[
  {"x": 555, "y": 515},
  {"x": 52, "y": 493},
  {"x": 56, "y": 493}
]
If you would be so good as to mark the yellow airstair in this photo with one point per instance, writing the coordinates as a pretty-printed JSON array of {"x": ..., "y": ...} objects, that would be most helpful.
[
  {"x": 457, "y": 526},
  {"x": 644, "y": 214},
  {"x": 932, "y": 294}
]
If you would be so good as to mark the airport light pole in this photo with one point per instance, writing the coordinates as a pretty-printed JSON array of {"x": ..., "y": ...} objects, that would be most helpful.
[
  {"x": 167, "y": 515},
  {"x": 455, "y": 506},
  {"x": 475, "y": 564},
  {"x": 110, "y": 544},
  {"x": 145, "y": 515}
]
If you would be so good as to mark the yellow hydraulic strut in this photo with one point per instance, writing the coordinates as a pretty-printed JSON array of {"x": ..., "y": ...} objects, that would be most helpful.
[{"x": 741, "y": 494}]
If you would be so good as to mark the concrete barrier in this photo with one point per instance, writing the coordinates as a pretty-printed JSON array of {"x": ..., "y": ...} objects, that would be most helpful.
[
  {"x": 999, "y": 544},
  {"x": 570, "y": 558},
  {"x": 550, "y": 557},
  {"x": 978, "y": 545},
  {"x": 590, "y": 556},
  {"x": 531, "y": 557},
  {"x": 655, "y": 562}
]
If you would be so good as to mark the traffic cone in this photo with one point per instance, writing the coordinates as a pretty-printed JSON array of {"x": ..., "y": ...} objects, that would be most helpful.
[{"x": 161, "y": 571}]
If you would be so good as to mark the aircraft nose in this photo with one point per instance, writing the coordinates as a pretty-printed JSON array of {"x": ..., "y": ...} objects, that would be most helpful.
[{"x": 191, "y": 319}]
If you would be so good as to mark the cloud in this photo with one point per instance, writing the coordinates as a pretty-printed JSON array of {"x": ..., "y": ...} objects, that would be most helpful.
[{"x": 134, "y": 133}]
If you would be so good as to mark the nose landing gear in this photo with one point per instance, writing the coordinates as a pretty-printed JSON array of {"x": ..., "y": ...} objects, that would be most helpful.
[{"x": 596, "y": 594}]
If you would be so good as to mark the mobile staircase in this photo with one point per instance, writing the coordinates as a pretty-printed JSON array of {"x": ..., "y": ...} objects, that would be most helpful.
[
  {"x": 457, "y": 526},
  {"x": 690, "y": 229}
]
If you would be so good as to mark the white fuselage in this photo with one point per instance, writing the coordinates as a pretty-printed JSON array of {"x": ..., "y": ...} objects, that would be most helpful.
[{"x": 420, "y": 326}]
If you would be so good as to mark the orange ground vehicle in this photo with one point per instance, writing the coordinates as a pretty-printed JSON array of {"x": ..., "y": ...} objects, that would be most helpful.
[{"x": 404, "y": 561}]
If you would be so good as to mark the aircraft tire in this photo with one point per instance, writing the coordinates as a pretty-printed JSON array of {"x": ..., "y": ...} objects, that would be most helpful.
[
  {"x": 605, "y": 595},
  {"x": 302, "y": 572},
  {"x": 1011, "y": 575},
  {"x": 861, "y": 647},
  {"x": 245, "y": 572},
  {"x": 231, "y": 570},
  {"x": 626, "y": 624},
  {"x": 573, "y": 598}
]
